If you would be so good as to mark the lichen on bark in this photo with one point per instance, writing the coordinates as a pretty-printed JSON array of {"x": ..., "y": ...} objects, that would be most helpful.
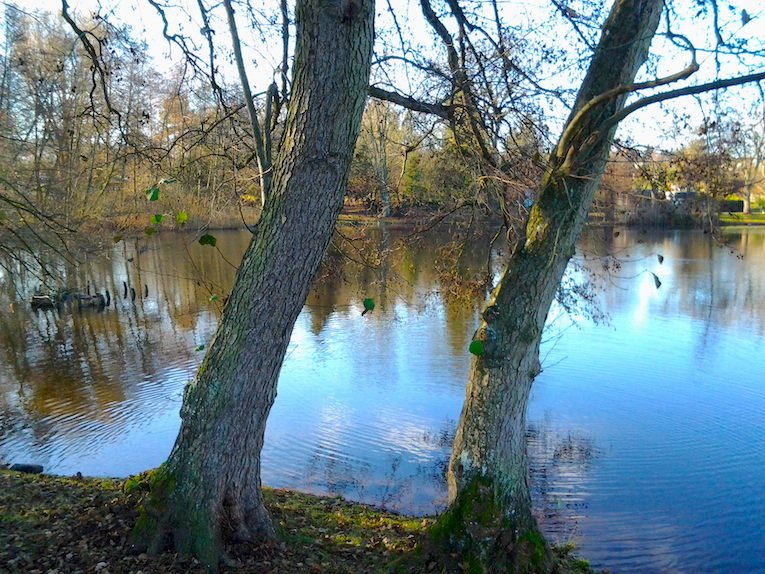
[
  {"x": 489, "y": 517},
  {"x": 209, "y": 489},
  {"x": 479, "y": 529}
]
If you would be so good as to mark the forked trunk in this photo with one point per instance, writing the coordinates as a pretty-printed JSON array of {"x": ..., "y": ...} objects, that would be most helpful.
[
  {"x": 209, "y": 489},
  {"x": 489, "y": 521}
]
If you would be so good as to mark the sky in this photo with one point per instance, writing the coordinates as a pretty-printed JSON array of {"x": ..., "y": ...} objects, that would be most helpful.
[{"x": 653, "y": 126}]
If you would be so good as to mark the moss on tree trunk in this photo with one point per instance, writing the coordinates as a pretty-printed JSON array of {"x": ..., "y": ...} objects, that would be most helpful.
[
  {"x": 209, "y": 489},
  {"x": 489, "y": 519}
]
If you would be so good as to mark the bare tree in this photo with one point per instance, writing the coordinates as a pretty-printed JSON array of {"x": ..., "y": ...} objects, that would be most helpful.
[
  {"x": 209, "y": 488},
  {"x": 488, "y": 521}
]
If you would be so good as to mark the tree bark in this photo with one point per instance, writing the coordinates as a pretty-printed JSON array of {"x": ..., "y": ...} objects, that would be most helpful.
[
  {"x": 489, "y": 520},
  {"x": 209, "y": 488}
]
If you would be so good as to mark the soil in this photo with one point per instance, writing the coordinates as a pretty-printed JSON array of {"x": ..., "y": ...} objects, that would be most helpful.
[{"x": 58, "y": 525}]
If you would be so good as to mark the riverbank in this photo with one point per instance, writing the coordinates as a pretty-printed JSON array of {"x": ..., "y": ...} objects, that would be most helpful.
[
  {"x": 67, "y": 525},
  {"x": 742, "y": 219}
]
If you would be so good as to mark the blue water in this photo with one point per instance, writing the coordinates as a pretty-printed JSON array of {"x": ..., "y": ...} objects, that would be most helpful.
[{"x": 645, "y": 431}]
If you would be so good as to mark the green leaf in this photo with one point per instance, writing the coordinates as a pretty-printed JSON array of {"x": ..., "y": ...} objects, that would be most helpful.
[
  {"x": 117, "y": 238},
  {"x": 369, "y": 305},
  {"x": 476, "y": 348},
  {"x": 150, "y": 231},
  {"x": 208, "y": 239},
  {"x": 152, "y": 194},
  {"x": 200, "y": 348},
  {"x": 214, "y": 298},
  {"x": 181, "y": 217},
  {"x": 156, "y": 219},
  {"x": 656, "y": 280}
]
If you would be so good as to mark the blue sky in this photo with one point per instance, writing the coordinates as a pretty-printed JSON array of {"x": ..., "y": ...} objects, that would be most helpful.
[{"x": 652, "y": 126}]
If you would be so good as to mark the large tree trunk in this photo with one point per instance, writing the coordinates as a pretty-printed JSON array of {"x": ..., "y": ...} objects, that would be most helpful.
[
  {"x": 489, "y": 519},
  {"x": 209, "y": 488},
  {"x": 747, "y": 198}
]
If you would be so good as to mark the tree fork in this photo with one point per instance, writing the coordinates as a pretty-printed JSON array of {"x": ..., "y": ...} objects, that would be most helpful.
[{"x": 489, "y": 513}]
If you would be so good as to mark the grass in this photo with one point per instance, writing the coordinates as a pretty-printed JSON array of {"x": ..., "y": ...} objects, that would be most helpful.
[
  {"x": 60, "y": 525},
  {"x": 742, "y": 218}
]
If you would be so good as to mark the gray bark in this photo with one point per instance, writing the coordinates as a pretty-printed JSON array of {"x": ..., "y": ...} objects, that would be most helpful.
[
  {"x": 209, "y": 489},
  {"x": 489, "y": 518}
]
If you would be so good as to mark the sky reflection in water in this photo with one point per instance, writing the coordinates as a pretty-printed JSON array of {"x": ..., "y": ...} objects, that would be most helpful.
[{"x": 645, "y": 433}]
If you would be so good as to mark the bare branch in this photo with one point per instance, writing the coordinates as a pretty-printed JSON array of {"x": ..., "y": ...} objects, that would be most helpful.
[
  {"x": 573, "y": 126},
  {"x": 207, "y": 32},
  {"x": 443, "y": 33},
  {"x": 571, "y": 16},
  {"x": 284, "y": 67},
  {"x": 262, "y": 147},
  {"x": 687, "y": 91},
  {"x": 440, "y": 110},
  {"x": 91, "y": 50}
]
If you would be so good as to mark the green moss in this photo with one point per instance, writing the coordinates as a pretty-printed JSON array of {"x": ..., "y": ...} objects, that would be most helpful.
[
  {"x": 317, "y": 531},
  {"x": 477, "y": 531},
  {"x": 535, "y": 547},
  {"x": 146, "y": 525},
  {"x": 567, "y": 562},
  {"x": 536, "y": 226},
  {"x": 154, "y": 488},
  {"x": 472, "y": 521},
  {"x": 138, "y": 483}
]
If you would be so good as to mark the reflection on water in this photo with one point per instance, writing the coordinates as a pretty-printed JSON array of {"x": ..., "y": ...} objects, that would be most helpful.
[{"x": 645, "y": 434}]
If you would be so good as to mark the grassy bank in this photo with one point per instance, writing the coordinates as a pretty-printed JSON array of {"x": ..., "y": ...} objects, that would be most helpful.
[
  {"x": 742, "y": 218},
  {"x": 65, "y": 525}
]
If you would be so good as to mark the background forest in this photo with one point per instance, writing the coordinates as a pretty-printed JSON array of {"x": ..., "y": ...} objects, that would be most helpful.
[{"x": 73, "y": 158}]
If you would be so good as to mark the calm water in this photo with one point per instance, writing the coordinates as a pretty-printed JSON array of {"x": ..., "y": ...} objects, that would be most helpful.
[{"x": 646, "y": 433}]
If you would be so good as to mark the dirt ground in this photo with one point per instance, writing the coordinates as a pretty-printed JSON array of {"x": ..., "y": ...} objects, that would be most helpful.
[{"x": 58, "y": 525}]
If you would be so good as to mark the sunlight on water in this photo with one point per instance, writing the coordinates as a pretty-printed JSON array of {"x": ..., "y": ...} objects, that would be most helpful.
[{"x": 646, "y": 433}]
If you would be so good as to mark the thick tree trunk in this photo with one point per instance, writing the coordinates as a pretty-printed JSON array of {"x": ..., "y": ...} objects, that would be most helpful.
[
  {"x": 489, "y": 519},
  {"x": 209, "y": 489},
  {"x": 747, "y": 198}
]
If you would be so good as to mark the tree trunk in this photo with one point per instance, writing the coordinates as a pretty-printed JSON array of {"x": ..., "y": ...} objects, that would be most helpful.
[
  {"x": 489, "y": 520},
  {"x": 209, "y": 488}
]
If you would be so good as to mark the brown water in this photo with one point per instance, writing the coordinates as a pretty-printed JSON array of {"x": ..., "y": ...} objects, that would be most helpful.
[{"x": 646, "y": 434}]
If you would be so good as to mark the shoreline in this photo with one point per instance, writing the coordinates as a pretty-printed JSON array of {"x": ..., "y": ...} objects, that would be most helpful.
[{"x": 78, "y": 525}]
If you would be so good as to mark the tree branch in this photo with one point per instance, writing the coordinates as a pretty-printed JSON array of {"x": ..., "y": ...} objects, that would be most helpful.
[
  {"x": 440, "y": 110},
  {"x": 687, "y": 91},
  {"x": 284, "y": 67},
  {"x": 97, "y": 67},
  {"x": 261, "y": 145},
  {"x": 691, "y": 69}
]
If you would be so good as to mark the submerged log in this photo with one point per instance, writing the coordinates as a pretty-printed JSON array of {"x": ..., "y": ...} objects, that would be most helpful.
[
  {"x": 82, "y": 300},
  {"x": 43, "y": 302},
  {"x": 27, "y": 468}
]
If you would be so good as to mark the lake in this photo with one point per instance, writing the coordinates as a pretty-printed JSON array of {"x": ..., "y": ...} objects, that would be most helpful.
[{"x": 646, "y": 430}]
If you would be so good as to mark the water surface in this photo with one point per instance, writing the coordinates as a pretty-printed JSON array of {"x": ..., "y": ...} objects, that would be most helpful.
[{"x": 645, "y": 432}]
